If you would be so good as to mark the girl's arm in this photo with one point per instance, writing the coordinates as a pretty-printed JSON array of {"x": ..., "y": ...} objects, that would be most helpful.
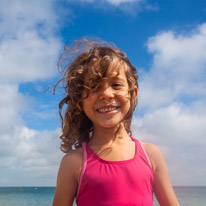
[
  {"x": 162, "y": 187},
  {"x": 66, "y": 182}
]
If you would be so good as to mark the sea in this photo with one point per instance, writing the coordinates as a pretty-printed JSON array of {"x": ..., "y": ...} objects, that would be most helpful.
[{"x": 43, "y": 196}]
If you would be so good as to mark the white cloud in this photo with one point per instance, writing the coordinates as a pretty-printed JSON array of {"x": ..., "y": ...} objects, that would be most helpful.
[
  {"x": 29, "y": 50},
  {"x": 11, "y": 102},
  {"x": 128, "y": 7},
  {"x": 178, "y": 69},
  {"x": 113, "y": 2},
  {"x": 118, "y": 2},
  {"x": 179, "y": 131},
  {"x": 131, "y": 7},
  {"x": 173, "y": 98},
  {"x": 18, "y": 15},
  {"x": 28, "y": 57},
  {"x": 183, "y": 122},
  {"x": 28, "y": 46},
  {"x": 30, "y": 154}
]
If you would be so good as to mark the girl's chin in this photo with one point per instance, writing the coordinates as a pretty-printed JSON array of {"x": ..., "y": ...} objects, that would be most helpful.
[{"x": 108, "y": 125}]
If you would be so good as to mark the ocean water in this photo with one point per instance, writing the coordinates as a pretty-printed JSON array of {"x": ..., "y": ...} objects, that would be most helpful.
[
  {"x": 26, "y": 196},
  {"x": 43, "y": 196},
  {"x": 189, "y": 196}
]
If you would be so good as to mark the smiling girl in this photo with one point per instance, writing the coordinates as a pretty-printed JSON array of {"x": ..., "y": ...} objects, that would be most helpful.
[{"x": 104, "y": 165}]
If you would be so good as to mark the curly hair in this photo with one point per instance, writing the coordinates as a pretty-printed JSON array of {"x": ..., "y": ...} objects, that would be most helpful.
[{"x": 95, "y": 56}]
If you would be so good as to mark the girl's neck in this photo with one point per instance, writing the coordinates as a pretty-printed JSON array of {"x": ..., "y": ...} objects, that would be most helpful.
[{"x": 107, "y": 136}]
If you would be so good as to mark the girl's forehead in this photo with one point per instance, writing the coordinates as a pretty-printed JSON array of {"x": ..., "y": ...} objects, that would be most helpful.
[{"x": 111, "y": 73}]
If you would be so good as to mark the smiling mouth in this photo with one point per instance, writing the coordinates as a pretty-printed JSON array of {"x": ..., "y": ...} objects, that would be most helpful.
[{"x": 108, "y": 109}]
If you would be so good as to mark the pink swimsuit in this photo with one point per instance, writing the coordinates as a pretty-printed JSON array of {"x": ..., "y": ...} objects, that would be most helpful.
[{"x": 115, "y": 183}]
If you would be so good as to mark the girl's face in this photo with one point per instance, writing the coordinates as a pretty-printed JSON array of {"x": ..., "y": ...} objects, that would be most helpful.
[{"x": 107, "y": 105}]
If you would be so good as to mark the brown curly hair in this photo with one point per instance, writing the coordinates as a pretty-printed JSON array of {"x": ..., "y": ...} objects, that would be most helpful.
[{"x": 96, "y": 56}]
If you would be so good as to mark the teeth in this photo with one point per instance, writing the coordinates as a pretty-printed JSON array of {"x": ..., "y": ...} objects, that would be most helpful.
[{"x": 107, "y": 109}]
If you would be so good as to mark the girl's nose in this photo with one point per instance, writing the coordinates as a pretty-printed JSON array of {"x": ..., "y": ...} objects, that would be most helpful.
[{"x": 107, "y": 93}]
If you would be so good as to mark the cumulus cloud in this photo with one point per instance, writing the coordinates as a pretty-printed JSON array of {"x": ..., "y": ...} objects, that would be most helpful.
[
  {"x": 19, "y": 15},
  {"x": 131, "y": 7},
  {"x": 113, "y": 2},
  {"x": 31, "y": 155},
  {"x": 178, "y": 69},
  {"x": 118, "y": 2},
  {"x": 28, "y": 57},
  {"x": 28, "y": 45},
  {"x": 172, "y": 96},
  {"x": 28, "y": 52},
  {"x": 26, "y": 153},
  {"x": 179, "y": 131}
]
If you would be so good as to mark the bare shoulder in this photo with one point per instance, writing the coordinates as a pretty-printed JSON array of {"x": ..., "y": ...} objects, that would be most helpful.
[
  {"x": 154, "y": 153},
  {"x": 72, "y": 161},
  {"x": 73, "y": 157},
  {"x": 68, "y": 173},
  {"x": 151, "y": 148},
  {"x": 162, "y": 186}
]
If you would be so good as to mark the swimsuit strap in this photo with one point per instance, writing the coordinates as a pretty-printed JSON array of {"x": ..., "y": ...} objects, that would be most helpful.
[
  {"x": 83, "y": 166},
  {"x": 144, "y": 151},
  {"x": 146, "y": 155}
]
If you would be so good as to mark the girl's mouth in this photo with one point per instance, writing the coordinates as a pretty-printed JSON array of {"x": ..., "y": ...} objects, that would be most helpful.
[{"x": 107, "y": 109}]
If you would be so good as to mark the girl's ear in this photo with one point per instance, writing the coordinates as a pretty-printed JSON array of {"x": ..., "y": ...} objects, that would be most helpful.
[{"x": 135, "y": 92}]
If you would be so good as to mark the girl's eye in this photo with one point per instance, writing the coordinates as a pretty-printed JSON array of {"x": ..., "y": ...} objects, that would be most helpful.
[{"x": 117, "y": 85}]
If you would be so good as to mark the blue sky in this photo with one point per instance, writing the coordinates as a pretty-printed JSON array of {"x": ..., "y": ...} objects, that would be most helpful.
[{"x": 165, "y": 40}]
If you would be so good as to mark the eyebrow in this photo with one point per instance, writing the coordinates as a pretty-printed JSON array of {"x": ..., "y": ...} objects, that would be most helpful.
[
  {"x": 112, "y": 78},
  {"x": 119, "y": 78}
]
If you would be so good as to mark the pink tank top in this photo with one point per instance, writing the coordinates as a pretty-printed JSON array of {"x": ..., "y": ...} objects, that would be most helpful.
[{"x": 115, "y": 183}]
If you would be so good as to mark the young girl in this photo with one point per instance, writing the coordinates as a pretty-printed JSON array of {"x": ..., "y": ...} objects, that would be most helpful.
[{"x": 104, "y": 164}]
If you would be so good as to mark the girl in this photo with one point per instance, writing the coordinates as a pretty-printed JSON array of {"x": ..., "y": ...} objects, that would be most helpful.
[{"x": 104, "y": 164}]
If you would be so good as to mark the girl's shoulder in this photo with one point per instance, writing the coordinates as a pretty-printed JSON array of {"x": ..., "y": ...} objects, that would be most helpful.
[
  {"x": 70, "y": 164},
  {"x": 74, "y": 154},
  {"x": 72, "y": 161},
  {"x": 73, "y": 157},
  {"x": 153, "y": 152},
  {"x": 149, "y": 147}
]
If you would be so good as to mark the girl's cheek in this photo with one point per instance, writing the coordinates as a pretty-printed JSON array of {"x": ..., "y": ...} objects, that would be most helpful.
[{"x": 124, "y": 97}]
